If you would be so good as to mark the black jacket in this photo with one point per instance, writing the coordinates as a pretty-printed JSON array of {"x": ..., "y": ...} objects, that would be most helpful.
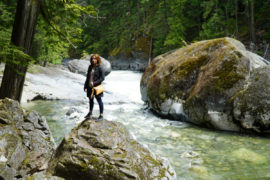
[{"x": 98, "y": 77}]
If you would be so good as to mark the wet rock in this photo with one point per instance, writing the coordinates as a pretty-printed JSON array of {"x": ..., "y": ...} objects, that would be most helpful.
[
  {"x": 44, "y": 97},
  {"x": 248, "y": 155},
  {"x": 72, "y": 111},
  {"x": 200, "y": 170},
  {"x": 105, "y": 150},
  {"x": 209, "y": 83},
  {"x": 26, "y": 144}
]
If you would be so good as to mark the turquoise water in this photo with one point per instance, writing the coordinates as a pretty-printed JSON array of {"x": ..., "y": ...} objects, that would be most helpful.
[{"x": 195, "y": 153}]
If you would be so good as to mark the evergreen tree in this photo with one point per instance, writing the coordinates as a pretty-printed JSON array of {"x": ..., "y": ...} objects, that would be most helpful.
[{"x": 62, "y": 17}]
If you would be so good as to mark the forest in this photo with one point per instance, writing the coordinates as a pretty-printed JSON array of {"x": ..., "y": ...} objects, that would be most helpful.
[
  {"x": 61, "y": 29},
  {"x": 74, "y": 28}
]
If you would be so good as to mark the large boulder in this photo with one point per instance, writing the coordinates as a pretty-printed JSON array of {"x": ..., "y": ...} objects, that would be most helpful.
[
  {"x": 26, "y": 144},
  {"x": 215, "y": 83},
  {"x": 81, "y": 65},
  {"x": 106, "y": 150}
]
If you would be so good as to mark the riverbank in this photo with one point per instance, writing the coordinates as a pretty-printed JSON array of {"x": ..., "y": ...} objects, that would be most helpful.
[{"x": 193, "y": 152}]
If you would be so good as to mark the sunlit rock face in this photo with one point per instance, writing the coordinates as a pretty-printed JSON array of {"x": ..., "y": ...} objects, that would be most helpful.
[
  {"x": 105, "y": 150},
  {"x": 26, "y": 144},
  {"x": 213, "y": 83}
]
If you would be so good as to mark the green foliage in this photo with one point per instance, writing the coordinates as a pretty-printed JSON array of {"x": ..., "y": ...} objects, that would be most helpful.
[
  {"x": 58, "y": 31},
  {"x": 8, "y": 52},
  {"x": 171, "y": 24},
  {"x": 6, "y": 21},
  {"x": 175, "y": 37},
  {"x": 71, "y": 28}
]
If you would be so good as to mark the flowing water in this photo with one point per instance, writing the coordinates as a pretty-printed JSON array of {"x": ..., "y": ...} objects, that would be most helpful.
[{"x": 195, "y": 153}]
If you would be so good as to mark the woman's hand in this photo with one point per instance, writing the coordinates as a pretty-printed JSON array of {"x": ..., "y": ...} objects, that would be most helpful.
[{"x": 92, "y": 84}]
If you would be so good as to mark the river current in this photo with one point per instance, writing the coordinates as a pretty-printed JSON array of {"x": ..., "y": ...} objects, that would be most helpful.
[{"x": 194, "y": 153}]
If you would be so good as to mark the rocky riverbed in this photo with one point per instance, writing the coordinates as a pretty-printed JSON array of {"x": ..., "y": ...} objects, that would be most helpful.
[{"x": 102, "y": 150}]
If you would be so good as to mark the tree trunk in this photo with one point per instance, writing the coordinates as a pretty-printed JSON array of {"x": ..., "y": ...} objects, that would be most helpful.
[
  {"x": 138, "y": 14},
  {"x": 166, "y": 23},
  {"x": 22, "y": 36},
  {"x": 251, "y": 21},
  {"x": 150, "y": 47},
  {"x": 44, "y": 63},
  {"x": 236, "y": 18},
  {"x": 227, "y": 20}
]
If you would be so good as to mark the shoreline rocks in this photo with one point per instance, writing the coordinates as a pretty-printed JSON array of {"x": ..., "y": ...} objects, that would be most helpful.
[
  {"x": 92, "y": 150},
  {"x": 26, "y": 143}
]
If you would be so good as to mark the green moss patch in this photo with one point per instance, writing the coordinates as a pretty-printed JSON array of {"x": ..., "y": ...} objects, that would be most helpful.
[{"x": 227, "y": 76}]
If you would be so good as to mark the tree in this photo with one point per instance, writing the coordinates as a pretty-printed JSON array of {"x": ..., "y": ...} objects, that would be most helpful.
[
  {"x": 22, "y": 36},
  {"x": 25, "y": 22},
  {"x": 251, "y": 21}
]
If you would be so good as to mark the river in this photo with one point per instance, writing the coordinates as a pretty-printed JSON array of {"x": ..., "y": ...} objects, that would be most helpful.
[{"x": 195, "y": 153}]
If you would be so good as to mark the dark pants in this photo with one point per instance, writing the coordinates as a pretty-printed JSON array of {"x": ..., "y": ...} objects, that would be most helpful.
[{"x": 100, "y": 103}]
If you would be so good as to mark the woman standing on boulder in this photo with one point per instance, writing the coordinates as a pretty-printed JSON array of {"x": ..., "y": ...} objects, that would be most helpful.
[{"x": 95, "y": 76}]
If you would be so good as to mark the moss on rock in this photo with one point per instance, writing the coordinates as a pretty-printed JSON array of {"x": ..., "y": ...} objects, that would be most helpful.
[
  {"x": 121, "y": 158},
  {"x": 205, "y": 76},
  {"x": 26, "y": 151}
]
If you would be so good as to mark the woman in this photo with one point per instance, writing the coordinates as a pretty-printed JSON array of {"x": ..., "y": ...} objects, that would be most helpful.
[{"x": 95, "y": 76}]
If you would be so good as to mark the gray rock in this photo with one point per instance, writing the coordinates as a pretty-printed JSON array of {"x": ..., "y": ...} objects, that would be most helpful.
[
  {"x": 26, "y": 144},
  {"x": 252, "y": 104},
  {"x": 65, "y": 61},
  {"x": 44, "y": 176},
  {"x": 122, "y": 63},
  {"x": 81, "y": 66},
  {"x": 209, "y": 83},
  {"x": 52, "y": 83},
  {"x": 105, "y": 150},
  {"x": 73, "y": 112}
]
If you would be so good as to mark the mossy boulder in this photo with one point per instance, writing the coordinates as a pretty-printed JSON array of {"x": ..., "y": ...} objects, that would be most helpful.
[
  {"x": 203, "y": 82},
  {"x": 26, "y": 144},
  {"x": 106, "y": 150}
]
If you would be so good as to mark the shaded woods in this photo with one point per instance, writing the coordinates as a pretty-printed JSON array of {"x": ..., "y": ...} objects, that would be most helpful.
[
  {"x": 166, "y": 25},
  {"x": 54, "y": 37},
  {"x": 74, "y": 28}
]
